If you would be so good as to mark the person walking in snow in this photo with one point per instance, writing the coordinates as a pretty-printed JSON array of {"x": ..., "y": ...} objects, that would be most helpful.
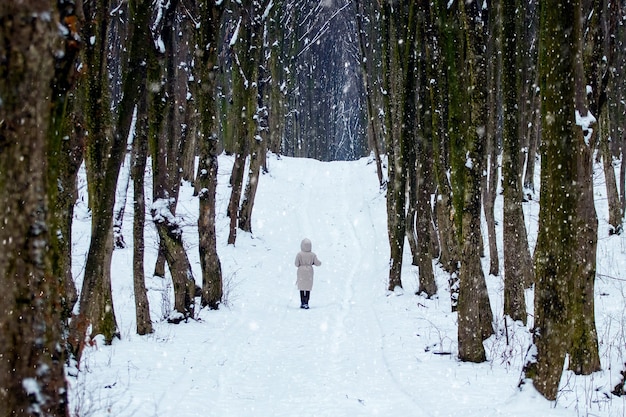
[{"x": 305, "y": 261}]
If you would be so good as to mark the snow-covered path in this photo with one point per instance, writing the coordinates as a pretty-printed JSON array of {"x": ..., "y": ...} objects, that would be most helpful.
[
  {"x": 326, "y": 361},
  {"x": 357, "y": 351}
]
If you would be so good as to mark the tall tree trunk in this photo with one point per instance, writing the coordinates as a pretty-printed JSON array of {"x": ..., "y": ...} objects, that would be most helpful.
[
  {"x": 529, "y": 120},
  {"x": 32, "y": 378},
  {"x": 140, "y": 41},
  {"x": 475, "y": 316},
  {"x": 244, "y": 82},
  {"x": 584, "y": 355},
  {"x": 65, "y": 149},
  {"x": 210, "y": 13},
  {"x": 140, "y": 153},
  {"x": 104, "y": 154},
  {"x": 491, "y": 178},
  {"x": 439, "y": 87},
  {"x": 515, "y": 241},
  {"x": 257, "y": 134},
  {"x": 399, "y": 107},
  {"x": 165, "y": 150},
  {"x": 423, "y": 150},
  {"x": 562, "y": 302},
  {"x": 366, "y": 56}
]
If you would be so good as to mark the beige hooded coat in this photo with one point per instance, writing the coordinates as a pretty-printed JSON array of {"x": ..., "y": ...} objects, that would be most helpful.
[{"x": 305, "y": 261}]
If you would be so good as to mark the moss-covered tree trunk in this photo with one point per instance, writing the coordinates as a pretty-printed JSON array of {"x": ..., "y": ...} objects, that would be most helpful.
[
  {"x": 491, "y": 178},
  {"x": 138, "y": 170},
  {"x": 468, "y": 131},
  {"x": 528, "y": 106},
  {"x": 244, "y": 89},
  {"x": 165, "y": 148},
  {"x": 398, "y": 35},
  {"x": 516, "y": 251},
  {"x": 562, "y": 293},
  {"x": 103, "y": 156},
  {"x": 424, "y": 155},
  {"x": 442, "y": 82},
  {"x": 134, "y": 103},
  {"x": 276, "y": 89},
  {"x": 65, "y": 150},
  {"x": 32, "y": 377},
  {"x": 583, "y": 351},
  {"x": 209, "y": 12},
  {"x": 140, "y": 41},
  {"x": 257, "y": 132},
  {"x": 367, "y": 74}
]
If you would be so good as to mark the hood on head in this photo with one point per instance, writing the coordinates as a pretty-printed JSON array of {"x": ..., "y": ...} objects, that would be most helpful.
[{"x": 305, "y": 246}]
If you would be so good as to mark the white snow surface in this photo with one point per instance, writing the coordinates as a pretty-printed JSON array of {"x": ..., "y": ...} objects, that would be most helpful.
[{"x": 359, "y": 350}]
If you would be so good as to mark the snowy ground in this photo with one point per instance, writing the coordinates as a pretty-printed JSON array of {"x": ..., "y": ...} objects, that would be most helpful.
[{"x": 357, "y": 352}]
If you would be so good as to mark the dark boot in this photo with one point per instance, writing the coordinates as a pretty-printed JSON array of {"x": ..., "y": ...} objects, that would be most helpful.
[
  {"x": 302, "y": 299},
  {"x": 307, "y": 295}
]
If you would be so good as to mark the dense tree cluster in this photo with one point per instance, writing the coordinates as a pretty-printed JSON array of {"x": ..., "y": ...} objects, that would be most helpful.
[{"x": 471, "y": 94}]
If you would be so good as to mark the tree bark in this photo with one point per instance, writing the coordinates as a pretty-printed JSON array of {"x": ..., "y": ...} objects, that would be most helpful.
[
  {"x": 104, "y": 153},
  {"x": 241, "y": 114},
  {"x": 514, "y": 229},
  {"x": 257, "y": 134},
  {"x": 140, "y": 41},
  {"x": 32, "y": 378},
  {"x": 366, "y": 75},
  {"x": 399, "y": 108},
  {"x": 424, "y": 156},
  {"x": 140, "y": 153},
  {"x": 491, "y": 178},
  {"x": 615, "y": 211},
  {"x": 166, "y": 153},
  {"x": 210, "y": 13},
  {"x": 65, "y": 149},
  {"x": 562, "y": 288},
  {"x": 584, "y": 355},
  {"x": 439, "y": 97},
  {"x": 474, "y": 310}
]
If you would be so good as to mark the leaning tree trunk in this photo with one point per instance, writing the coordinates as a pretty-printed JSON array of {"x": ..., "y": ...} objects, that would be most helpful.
[
  {"x": 32, "y": 378},
  {"x": 205, "y": 90}
]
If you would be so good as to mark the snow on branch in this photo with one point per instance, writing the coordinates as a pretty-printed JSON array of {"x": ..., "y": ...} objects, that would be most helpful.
[
  {"x": 233, "y": 40},
  {"x": 585, "y": 122}
]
